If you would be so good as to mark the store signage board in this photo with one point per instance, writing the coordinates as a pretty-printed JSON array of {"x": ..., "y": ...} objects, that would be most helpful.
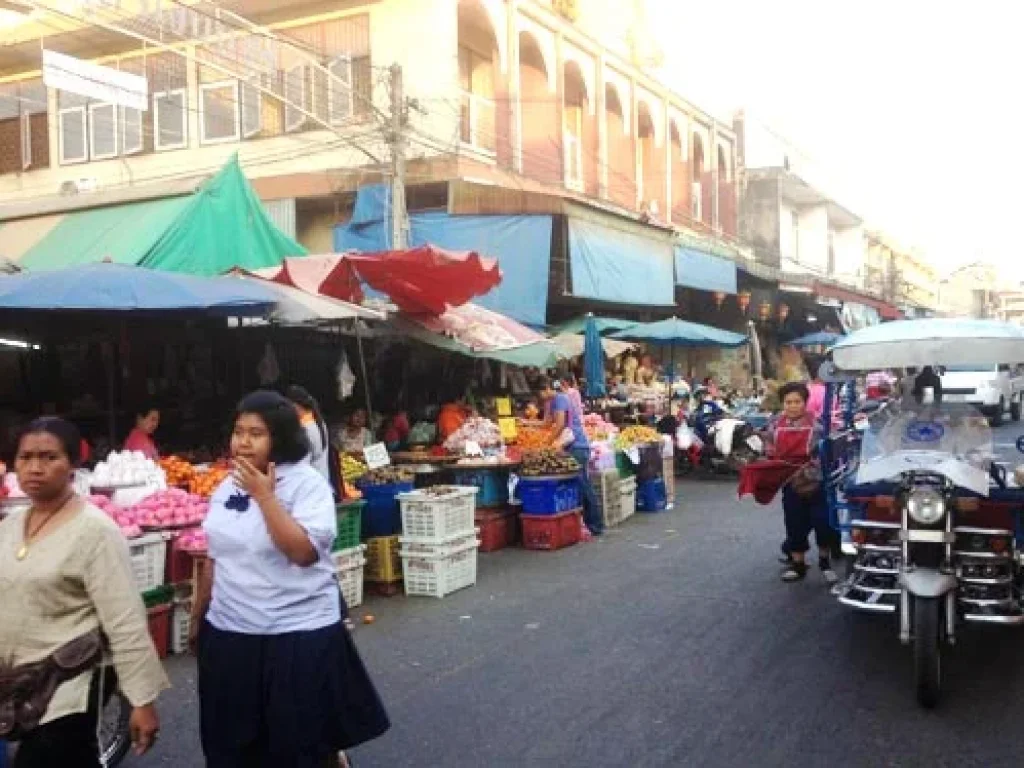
[
  {"x": 376, "y": 456},
  {"x": 503, "y": 406},
  {"x": 104, "y": 84},
  {"x": 508, "y": 428}
]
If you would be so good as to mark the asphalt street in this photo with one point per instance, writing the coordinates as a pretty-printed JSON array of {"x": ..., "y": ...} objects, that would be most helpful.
[{"x": 669, "y": 642}]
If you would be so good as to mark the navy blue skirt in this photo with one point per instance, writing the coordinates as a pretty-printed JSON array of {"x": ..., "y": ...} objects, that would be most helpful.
[{"x": 288, "y": 701}]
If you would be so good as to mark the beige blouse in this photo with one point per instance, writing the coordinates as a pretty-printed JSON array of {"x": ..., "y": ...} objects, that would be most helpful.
[{"x": 74, "y": 579}]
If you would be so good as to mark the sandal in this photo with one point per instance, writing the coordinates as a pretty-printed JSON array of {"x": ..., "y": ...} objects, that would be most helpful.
[{"x": 794, "y": 572}]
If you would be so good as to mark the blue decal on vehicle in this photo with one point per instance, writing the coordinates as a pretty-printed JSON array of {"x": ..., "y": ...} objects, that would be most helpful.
[
  {"x": 925, "y": 431},
  {"x": 1020, "y": 443}
]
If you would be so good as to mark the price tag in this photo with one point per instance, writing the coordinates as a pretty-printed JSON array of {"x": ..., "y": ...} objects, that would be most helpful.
[
  {"x": 503, "y": 406},
  {"x": 473, "y": 448},
  {"x": 376, "y": 456},
  {"x": 507, "y": 426}
]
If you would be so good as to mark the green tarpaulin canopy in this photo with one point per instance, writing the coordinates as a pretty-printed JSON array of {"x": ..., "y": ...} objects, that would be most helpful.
[{"x": 218, "y": 228}]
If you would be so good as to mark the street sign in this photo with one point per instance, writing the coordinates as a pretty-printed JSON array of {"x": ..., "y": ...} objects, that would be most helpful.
[{"x": 95, "y": 82}]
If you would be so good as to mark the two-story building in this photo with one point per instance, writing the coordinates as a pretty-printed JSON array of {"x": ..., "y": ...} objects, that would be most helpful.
[
  {"x": 508, "y": 108},
  {"x": 901, "y": 275}
]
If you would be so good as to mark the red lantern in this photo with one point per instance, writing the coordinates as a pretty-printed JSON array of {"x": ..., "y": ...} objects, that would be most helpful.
[
  {"x": 744, "y": 301},
  {"x": 765, "y": 310},
  {"x": 719, "y": 299}
]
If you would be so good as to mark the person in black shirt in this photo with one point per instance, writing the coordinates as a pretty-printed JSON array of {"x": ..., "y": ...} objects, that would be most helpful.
[{"x": 928, "y": 379}]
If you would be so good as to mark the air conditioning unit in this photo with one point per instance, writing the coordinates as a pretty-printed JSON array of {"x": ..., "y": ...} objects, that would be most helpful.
[
  {"x": 695, "y": 201},
  {"x": 77, "y": 186}
]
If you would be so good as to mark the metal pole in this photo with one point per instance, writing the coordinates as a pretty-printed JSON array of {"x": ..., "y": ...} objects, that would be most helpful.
[
  {"x": 362, "y": 369},
  {"x": 396, "y": 139}
]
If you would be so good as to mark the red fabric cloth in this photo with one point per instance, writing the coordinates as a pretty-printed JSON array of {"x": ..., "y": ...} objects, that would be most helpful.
[{"x": 764, "y": 479}]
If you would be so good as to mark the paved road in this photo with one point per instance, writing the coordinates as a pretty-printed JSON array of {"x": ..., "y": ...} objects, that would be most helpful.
[{"x": 670, "y": 642}]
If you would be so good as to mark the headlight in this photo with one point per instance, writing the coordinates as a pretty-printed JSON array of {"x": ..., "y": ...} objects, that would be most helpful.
[{"x": 926, "y": 506}]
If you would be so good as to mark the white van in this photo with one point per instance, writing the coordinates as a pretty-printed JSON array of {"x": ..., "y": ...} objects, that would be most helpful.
[{"x": 993, "y": 389}]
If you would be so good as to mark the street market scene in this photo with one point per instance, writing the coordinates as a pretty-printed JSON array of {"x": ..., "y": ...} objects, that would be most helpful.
[{"x": 487, "y": 404}]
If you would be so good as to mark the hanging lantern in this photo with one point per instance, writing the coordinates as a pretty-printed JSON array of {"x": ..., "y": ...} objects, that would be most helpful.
[
  {"x": 744, "y": 300},
  {"x": 719, "y": 299},
  {"x": 765, "y": 310}
]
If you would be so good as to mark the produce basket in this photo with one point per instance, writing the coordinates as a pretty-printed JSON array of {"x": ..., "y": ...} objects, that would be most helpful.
[
  {"x": 606, "y": 490},
  {"x": 549, "y": 495},
  {"x": 551, "y": 532},
  {"x": 149, "y": 560},
  {"x": 440, "y": 572},
  {"x": 383, "y": 563},
  {"x": 350, "y": 525},
  {"x": 627, "y": 499},
  {"x": 350, "y": 575},
  {"x": 349, "y": 558},
  {"x": 439, "y": 513},
  {"x": 420, "y": 546}
]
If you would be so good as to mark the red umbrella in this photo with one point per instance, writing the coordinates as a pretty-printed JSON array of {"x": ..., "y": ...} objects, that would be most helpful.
[{"x": 423, "y": 280}]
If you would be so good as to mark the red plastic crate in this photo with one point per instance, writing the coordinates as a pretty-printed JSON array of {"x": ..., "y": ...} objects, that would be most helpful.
[
  {"x": 499, "y": 528},
  {"x": 551, "y": 532},
  {"x": 160, "y": 628},
  {"x": 179, "y": 562}
]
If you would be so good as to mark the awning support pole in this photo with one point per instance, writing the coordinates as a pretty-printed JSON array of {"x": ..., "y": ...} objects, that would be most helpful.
[{"x": 362, "y": 369}]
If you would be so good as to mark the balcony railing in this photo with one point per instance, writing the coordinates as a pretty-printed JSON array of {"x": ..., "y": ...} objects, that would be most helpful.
[{"x": 478, "y": 122}]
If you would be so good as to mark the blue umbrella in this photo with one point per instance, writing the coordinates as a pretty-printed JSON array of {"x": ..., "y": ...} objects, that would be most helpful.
[
  {"x": 120, "y": 288},
  {"x": 819, "y": 339},
  {"x": 593, "y": 359},
  {"x": 680, "y": 333},
  {"x": 604, "y": 324}
]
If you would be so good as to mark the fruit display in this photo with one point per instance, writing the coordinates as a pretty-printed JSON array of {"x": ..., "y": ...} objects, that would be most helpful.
[
  {"x": 633, "y": 436},
  {"x": 533, "y": 438},
  {"x": 597, "y": 428},
  {"x": 192, "y": 540},
  {"x": 352, "y": 468},
  {"x": 543, "y": 463},
  {"x": 476, "y": 429},
  {"x": 205, "y": 482},
  {"x": 387, "y": 476},
  {"x": 172, "y": 508},
  {"x": 179, "y": 472},
  {"x": 127, "y": 468},
  {"x": 124, "y": 518}
]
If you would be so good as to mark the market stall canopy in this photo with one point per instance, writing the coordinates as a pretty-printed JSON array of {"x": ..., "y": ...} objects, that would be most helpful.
[
  {"x": 423, "y": 280},
  {"x": 604, "y": 325},
  {"x": 680, "y": 333},
  {"x": 477, "y": 332},
  {"x": 819, "y": 339},
  {"x": 296, "y": 306},
  {"x": 572, "y": 345},
  {"x": 937, "y": 341},
  {"x": 219, "y": 227},
  {"x": 593, "y": 360},
  {"x": 121, "y": 288}
]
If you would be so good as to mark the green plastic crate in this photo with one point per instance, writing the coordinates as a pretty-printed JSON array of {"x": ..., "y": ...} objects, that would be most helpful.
[
  {"x": 624, "y": 465},
  {"x": 350, "y": 522},
  {"x": 158, "y": 596}
]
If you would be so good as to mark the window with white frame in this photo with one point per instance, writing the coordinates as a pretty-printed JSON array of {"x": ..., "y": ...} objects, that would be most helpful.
[
  {"x": 297, "y": 101},
  {"x": 478, "y": 115},
  {"x": 251, "y": 108},
  {"x": 170, "y": 123},
  {"x": 572, "y": 138},
  {"x": 131, "y": 131},
  {"x": 340, "y": 94},
  {"x": 218, "y": 112},
  {"x": 102, "y": 131},
  {"x": 72, "y": 136}
]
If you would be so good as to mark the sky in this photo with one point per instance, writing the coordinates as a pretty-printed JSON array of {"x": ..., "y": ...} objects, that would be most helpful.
[{"x": 911, "y": 110}]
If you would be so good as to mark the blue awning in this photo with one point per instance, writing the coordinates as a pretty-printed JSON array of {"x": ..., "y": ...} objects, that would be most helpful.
[
  {"x": 612, "y": 265},
  {"x": 696, "y": 269}
]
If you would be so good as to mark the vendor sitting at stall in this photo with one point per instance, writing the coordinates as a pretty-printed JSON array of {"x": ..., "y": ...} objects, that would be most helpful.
[
  {"x": 396, "y": 433},
  {"x": 147, "y": 419},
  {"x": 354, "y": 437}
]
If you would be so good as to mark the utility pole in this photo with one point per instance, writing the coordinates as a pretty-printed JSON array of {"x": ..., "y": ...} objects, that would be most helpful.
[{"x": 396, "y": 142}]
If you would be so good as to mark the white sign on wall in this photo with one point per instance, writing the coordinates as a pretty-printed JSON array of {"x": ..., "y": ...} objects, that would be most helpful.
[{"x": 95, "y": 82}]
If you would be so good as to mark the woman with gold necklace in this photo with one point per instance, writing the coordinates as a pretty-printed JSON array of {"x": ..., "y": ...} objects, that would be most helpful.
[{"x": 67, "y": 597}]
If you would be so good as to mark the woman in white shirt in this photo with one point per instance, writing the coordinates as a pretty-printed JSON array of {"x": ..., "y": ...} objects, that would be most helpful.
[{"x": 280, "y": 681}]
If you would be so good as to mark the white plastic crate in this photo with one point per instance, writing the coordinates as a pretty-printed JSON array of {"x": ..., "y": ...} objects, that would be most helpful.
[
  {"x": 181, "y": 622},
  {"x": 439, "y": 573},
  {"x": 627, "y": 499},
  {"x": 149, "y": 560},
  {"x": 436, "y": 517},
  {"x": 350, "y": 581},
  {"x": 420, "y": 546},
  {"x": 606, "y": 490},
  {"x": 345, "y": 559}
]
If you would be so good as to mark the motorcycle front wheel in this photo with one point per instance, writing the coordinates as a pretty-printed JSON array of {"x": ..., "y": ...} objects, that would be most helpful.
[{"x": 927, "y": 650}]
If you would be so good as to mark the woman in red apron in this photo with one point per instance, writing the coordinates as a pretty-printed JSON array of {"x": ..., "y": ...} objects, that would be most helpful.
[{"x": 793, "y": 437}]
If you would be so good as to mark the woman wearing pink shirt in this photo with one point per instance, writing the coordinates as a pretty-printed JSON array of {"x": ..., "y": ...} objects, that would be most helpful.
[{"x": 147, "y": 419}]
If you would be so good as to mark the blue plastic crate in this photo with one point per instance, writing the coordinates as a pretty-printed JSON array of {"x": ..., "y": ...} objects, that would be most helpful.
[
  {"x": 651, "y": 496},
  {"x": 549, "y": 496},
  {"x": 382, "y": 515},
  {"x": 493, "y": 485}
]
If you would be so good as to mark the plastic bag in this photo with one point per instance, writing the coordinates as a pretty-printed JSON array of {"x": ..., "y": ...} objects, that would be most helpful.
[
  {"x": 686, "y": 438},
  {"x": 566, "y": 439},
  {"x": 346, "y": 379}
]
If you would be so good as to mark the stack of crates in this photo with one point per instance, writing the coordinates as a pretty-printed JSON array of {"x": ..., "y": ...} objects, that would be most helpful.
[
  {"x": 348, "y": 553},
  {"x": 439, "y": 543}
]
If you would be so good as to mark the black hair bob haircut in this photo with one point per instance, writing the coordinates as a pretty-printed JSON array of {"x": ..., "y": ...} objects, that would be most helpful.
[
  {"x": 145, "y": 407},
  {"x": 67, "y": 435},
  {"x": 795, "y": 388},
  {"x": 288, "y": 441}
]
